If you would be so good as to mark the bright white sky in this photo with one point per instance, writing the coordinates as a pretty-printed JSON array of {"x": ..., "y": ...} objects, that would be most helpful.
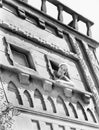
[{"x": 87, "y": 8}]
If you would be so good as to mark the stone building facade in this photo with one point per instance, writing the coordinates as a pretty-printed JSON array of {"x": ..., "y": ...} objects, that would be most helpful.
[{"x": 48, "y": 68}]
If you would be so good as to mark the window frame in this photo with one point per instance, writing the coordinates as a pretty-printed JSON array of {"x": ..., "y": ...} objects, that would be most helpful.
[
  {"x": 24, "y": 51},
  {"x": 49, "y": 66}
]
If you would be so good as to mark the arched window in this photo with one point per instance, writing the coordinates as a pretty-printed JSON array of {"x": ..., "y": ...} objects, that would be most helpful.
[
  {"x": 91, "y": 116},
  {"x": 38, "y": 100},
  {"x": 61, "y": 107},
  {"x": 27, "y": 99},
  {"x": 81, "y": 112},
  {"x": 13, "y": 93},
  {"x": 51, "y": 105},
  {"x": 72, "y": 111}
]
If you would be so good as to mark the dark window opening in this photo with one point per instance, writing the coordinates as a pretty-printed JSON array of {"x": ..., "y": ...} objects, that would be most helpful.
[{"x": 54, "y": 65}]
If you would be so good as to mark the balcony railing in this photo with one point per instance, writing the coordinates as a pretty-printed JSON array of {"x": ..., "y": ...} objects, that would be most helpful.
[{"x": 59, "y": 11}]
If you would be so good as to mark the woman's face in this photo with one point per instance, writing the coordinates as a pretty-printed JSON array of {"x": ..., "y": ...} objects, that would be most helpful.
[{"x": 62, "y": 70}]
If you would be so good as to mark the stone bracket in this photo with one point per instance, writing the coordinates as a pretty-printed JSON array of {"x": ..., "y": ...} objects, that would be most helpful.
[
  {"x": 24, "y": 78},
  {"x": 68, "y": 92},
  {"x": 86, "y": 98},
  {"x": 1, "y": 3},
  {"x": 24, "y": 1},
  {"x": 47, "y": 85},
  {"x": 21, "y": 13},
  {"x": 41, "y": 23},
  {"x": 60, "y": 32}
]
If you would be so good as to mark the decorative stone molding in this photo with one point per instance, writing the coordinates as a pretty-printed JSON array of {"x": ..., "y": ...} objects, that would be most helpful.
[
  {"x": 47, "y": 85},
  {"x": 41, "y": 23},
  {"x": 8, "y": 52},
  {"x": 68, "y": 92},
  {"x": 86, "y": 98},
  {"x": 92, "y": 62},
  {"x": 85, "y": 71},
  {"x": 88, "y": 25},
  {"x": 60, "y": 13},
  {"x": 21, "y": 13},
  {"x": 24, "y": 78},
  {"x": 37, "y": 14},
  {"x": 15, "y": 29},
  {"x": 75, "y": 20},
  {"x": 43, "y": 6},
  {"x": 3, "y": 98},
  {"x": 58, "y": 117},
  {"x": 60, "y": 32}
]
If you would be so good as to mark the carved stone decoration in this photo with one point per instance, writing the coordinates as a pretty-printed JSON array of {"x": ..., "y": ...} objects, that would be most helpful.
[
  {"x": 47, "y": 85},
  {"x": 68, "y": 92},
  {"x": 34, "y": 38},
  {"x": 75, "y": 20},
  {"x": 41, "y": 23},
  {"x": 86, "y": 98},
  {"x": 60, "y": 32},
  {"x": 85, "y": 72},
  {"x": 24, "y": 78},
  {"x": 91, "y": 60},
  {"x": 60, "y": 15},
  {"x": 21, "y": 13},
  {"x": 89, "y": 33},
  {"x": 43, "y": 6},
  {"x": 2, "y": 96},
  {"x": 8, "y": 52}
]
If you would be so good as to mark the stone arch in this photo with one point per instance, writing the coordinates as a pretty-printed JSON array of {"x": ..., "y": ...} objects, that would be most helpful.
[
  {"x": 81, "y": 111},
  {"x": 51, "y": 104},
  {"x": 91, "y": 116},
  {"x": 28, "y": 98},
  {"x": 14, "y": 94},
  {"x": 72, "y": 111},
  {"x": 39, "y": 100},
  {"x": 61, "y": 106}
]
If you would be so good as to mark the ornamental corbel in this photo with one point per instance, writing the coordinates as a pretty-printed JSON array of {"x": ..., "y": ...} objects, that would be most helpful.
[
  {"x": 47, "y": 86},
  {"x": 24, "y": 78}
]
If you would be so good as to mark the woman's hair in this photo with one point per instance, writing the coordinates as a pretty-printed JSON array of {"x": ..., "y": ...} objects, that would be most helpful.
[{"x": 66, "y": 73}]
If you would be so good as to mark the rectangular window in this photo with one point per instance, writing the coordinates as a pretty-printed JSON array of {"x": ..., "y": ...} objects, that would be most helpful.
[
  {"x": 35, "y": 125},
  {"x": 61, "y": 127},
  {"x": 22, "y": 57},
  {"x": 49, "y": 126},
  {"x": 52, "y": 65}
]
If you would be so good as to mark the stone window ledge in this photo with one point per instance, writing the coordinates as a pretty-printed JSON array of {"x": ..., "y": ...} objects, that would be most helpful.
[{"x": 46, "y": 82}]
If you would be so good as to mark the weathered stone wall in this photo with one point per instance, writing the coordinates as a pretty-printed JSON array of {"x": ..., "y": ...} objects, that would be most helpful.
[{"x": 30, "y": 45}]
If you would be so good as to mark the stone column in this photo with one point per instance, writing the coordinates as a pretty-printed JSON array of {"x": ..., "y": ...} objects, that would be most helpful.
[
  {"x": 89, "y": 33},
  {"x": 75, "y": 19},
  {"x": 43, "y": 6},
  {"x": 60, "y": 15}
]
